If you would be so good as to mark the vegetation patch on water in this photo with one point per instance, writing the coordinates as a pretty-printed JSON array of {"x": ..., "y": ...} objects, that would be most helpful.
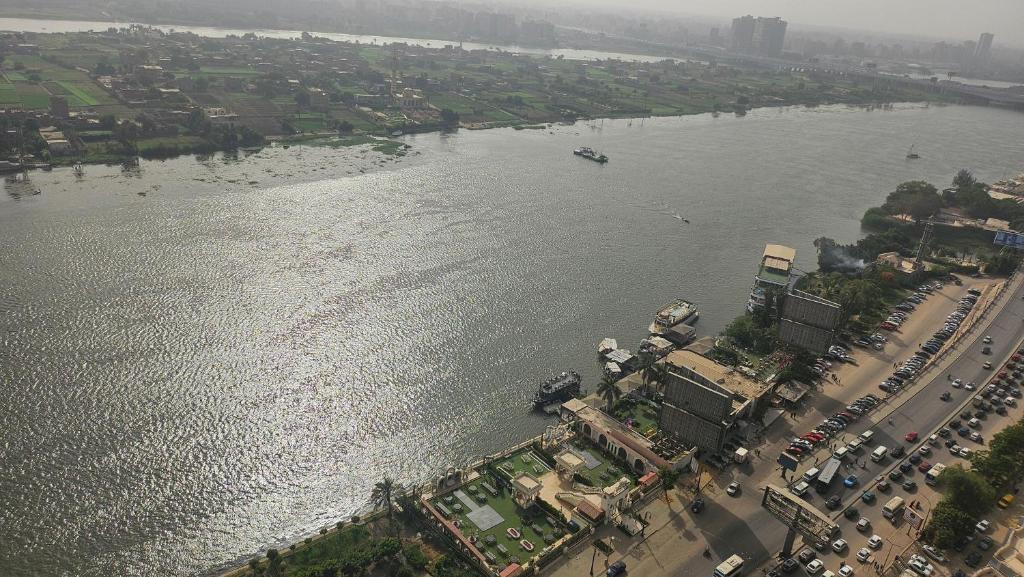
[{"x": 381, "y": 145}]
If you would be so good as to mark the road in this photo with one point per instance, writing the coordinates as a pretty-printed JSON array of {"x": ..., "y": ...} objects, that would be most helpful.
[{"x": 738, "y": 525}]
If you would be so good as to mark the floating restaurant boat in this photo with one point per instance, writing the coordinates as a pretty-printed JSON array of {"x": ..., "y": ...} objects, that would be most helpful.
[
  {"x": 588, "y": 153},
  {"x": 674, "y": 313},
  {"x": 558, "y": 389}
]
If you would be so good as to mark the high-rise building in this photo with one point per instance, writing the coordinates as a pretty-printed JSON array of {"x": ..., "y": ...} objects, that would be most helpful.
[
  {"x": 769, "y": 35},
  {"x": 764, "y": 36},
  {"x": 743, "y": 34},
  {"x": 984, "y": 47}
]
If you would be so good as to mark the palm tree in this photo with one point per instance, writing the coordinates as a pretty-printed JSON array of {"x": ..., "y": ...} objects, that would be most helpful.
[
  {"x": 645, "y": 362},
  {"x": 382, "y": 494},
  {"x": 609, "y": 391},
  {"x": 659, "y": 373}
]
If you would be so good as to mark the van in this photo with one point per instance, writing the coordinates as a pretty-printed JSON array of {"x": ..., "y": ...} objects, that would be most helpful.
[
  {"x": 1005, "y": 501},
  {"x": 893, "y": 508},
  {"x": 811, "y": 474},
  {"x": 879, "y": 454},
  {"x": 853, "y": 446},
  {"x": 866, "y": 436},
  {"x": 800, "y": 489},
  {"x": 840, "y": 453}
]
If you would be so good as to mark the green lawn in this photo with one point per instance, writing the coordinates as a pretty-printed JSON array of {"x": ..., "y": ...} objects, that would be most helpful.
[
  {"x": 512, "y": 515},
  {"x": 522, "y": 461},
  {"x": 605, "y": 474},
  {"x": 83, "y": 97},
  {"x": 642, "y": 417}
]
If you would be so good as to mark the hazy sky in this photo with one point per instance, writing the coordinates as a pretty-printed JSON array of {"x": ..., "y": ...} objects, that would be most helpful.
[{"x": 957, "y": 19}]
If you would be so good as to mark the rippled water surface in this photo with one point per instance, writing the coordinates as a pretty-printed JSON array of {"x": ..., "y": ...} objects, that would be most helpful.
[{"x": 204, "y": 358}]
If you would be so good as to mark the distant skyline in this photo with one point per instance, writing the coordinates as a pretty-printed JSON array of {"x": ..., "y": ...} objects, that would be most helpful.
[{"x": 952, "y": 19}]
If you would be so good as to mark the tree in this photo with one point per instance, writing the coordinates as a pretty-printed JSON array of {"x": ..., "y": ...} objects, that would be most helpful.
[
  {"x": 302, "y": 99},
  {"x": 659, "y": 372},
  {"x": 948, "y": 525},
  {"x": 970, "y": 491},
  {"x": 382, "y": 495},
  {"x": 609, "y": 390},
  {"x": 964, "y": 180},
  {"x": 645, "y": 362},
  {"x": 916, "y": 198},
  {"x": 449, "y": 118},
  {"x": 1002, "y": 264},
  {"x": 668, "y": 479},
  {"x": 345, "y": 127}
]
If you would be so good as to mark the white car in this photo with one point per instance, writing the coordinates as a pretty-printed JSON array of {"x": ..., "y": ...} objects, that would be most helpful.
[
  {"x": 934, "y": 553},
  {"x": 839, "y": 545},
  {"x": 875, "y": 542},
  {"x": 846, "y": 571},
  {"x": 970, "y": 387},
  {"x": 964, "y": 452},
  {"x": 863, "y": 554},
  {"x": 733, "y": 489},
  {"x": 815, "y": 567},
  {"x": 918, "y": 565},
  {"x": 863, "y": 524},
  {"x": 987, "y": 340},
  {"x": 957, "y": 383},
  {"x": 983, "y": 526}
]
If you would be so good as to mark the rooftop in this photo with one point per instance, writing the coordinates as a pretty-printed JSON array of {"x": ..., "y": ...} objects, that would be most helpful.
[
  {"x": 773, "y": 275},
  {"x": 780, "y": 252},
  {"x": 727, "y": 378}
]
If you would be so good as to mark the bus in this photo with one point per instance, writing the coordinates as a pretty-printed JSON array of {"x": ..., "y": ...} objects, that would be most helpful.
[
  {"x": 893, "y": 509},
  {"x": 731, "y": 567},
  {"x": 932, "y": 476},
  {"x": 828, "y": 472}
]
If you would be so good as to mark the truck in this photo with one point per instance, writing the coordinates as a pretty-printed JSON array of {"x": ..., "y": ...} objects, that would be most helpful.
[{"x": 828, "y": 472}]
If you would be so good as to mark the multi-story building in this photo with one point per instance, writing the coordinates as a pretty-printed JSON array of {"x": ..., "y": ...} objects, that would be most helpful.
[
  {"x": 775, "y": 272},
  {"x": 769, "y": 36},
  {"x": 743, "y": 34},
  {"x": 706, "y": 402},
  {"x": 983, "y": 49}
]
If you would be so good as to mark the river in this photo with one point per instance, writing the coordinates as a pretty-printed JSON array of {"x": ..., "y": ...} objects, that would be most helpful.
[
  {"x": 63, "y": 26},
  {"x": 206, "y": 357}
]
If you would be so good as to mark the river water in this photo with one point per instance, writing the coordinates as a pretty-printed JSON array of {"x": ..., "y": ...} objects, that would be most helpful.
[
  {"x": 206, "y": 357},
  {"x": 63, "y": 26}
]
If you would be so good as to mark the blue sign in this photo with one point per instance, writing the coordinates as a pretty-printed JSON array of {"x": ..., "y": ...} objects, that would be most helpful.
[
  {"x": 787, "y": 462},
  {"x": 1010, "y": 239}
]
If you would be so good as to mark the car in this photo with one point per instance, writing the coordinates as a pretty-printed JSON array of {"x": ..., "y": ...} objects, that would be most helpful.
[
  {"x": 882, "y": 484},
  {"x": 616, "y": 568},
  {"x": 906, "y": 467},
  {"x": 868, "y": 497},
  {"x": 794, "y": 451},
  {"x": 846, "y": 571},
  {"x": 934, "y": 553},
  {"x": 815, "y": 567},
  {"x": 806, "y": 555},
  {"x": 839, "y": 545},
  {"x": 976, "y": 437},
  {"x": 973, "y": 559},
  {"x": 914, "y": 458},
  {"x": 863, "y": 554},
  {"x": 875, "y": 542},
  {"x": 851, "y": 513},
  {"x": 851, "y": 481},
  {"x": 909, "y": 485},
  {"x": 944, "y": 432},
  {"x": 970, "y": 387},
  {"x": 963, "y": 431},
  {"x": 925, "y": 450},
  {"x": 982, "y": 526},
  {"x": 950, "y": 443},
  {"x": 985, "y": 543},
  {"x": 910, "y": 437},
  {"x": 863, "y": 524},
  {"x": 789, "y": 565},
  {"x": 987, "y": 366},
  {"x": 966, "y": 415},
  {"x": 919, "y": 565},
  {"x": 833, "y": 502},
  {"x": 924, "y": 466},
  {"x": 897, "y": 452},
  {"x": 733, "y": 489},
  {"x": 987, "y": 340},
  {"x": 957, "y": 383},
  {"x": 697, "y": 505},
  {"x": 945, "y": 396},
  {"x": 974, "y": 423},
  {"x": 896, "y": 475},
  {"x": 954, "y": 424}
]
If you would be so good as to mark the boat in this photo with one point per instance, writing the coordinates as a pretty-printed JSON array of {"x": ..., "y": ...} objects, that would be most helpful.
[
  {"x": 587, "y": 152},
  {"x": 911, "y": 154},
  {"x": 674, "y": 313},
  {"x": 557, "y": 389},
  {"x": 525, "y": 544},
  {"x": 513, "y": 533}
]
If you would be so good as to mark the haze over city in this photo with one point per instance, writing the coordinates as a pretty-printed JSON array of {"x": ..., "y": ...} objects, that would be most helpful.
[{"x": 456, "y": 288}]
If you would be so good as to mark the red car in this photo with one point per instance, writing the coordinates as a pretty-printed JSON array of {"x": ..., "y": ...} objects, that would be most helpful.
[
  {"x": 1016, "y": 358},
  {"x": 924, "y": 466},
  {"x": 816, "y": 436},
  {"x": 809, "y": 439},
  {"x": 911, "y": 437},
  {"x": 888, "y": 326}
]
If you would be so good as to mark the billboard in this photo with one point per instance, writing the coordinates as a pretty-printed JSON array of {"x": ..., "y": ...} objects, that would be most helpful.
[
  {"x": 812, "y": 338},
  {"x": 911, "y": 516},
  {"x": 787, "y": 462},
  {"x": 797, "y": 514},
  {"x": 1010, "y": 239},
  {"x": 810, "y": 310}
]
